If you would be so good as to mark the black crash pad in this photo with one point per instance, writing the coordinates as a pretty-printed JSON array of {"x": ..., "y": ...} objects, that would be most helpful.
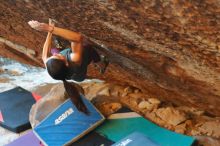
[{"x": 93, "y": 139}]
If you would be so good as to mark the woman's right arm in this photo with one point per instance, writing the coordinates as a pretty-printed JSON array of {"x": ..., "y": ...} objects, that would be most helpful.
[{"x": 65, "y": 33}]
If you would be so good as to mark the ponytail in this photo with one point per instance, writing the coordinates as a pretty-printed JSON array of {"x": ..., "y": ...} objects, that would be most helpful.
[
  {"x": 75, "y": 97},
  {"x": 57, "y": 70}
]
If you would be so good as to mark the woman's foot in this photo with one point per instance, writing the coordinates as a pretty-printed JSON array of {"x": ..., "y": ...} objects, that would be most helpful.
[{"x": 102, "y": 64}]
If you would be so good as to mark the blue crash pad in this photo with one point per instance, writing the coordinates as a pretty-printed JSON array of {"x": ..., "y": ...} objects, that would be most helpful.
[
  {"x": 66, "y": 124},
  {"x": 136, "y": 139}
]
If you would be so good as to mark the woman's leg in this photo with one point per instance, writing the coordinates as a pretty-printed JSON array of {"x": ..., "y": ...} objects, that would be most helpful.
[
  {"x": 95, "y": 57},
  {"x": 100, "y": 61}
]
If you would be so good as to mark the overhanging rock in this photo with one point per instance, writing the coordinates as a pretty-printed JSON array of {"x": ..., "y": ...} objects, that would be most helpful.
[{"x": 169, "y": 49}]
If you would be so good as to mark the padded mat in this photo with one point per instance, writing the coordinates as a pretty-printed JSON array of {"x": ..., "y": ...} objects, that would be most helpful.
[
  {"x": 15, "y": 105},
  {"x": 93, "y": 139},
  {"x": 121, "y": 124},
  {"x": 136, "y": 139},
  {"x": 28, "y": 139},
  {"x": 66, "y": 124}
]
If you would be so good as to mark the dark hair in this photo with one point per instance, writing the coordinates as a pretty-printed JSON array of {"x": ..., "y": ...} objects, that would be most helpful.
[{"x": 57, "y": 70}]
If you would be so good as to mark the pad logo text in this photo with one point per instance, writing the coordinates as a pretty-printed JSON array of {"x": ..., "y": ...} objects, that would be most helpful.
[
  {"x": 124, "y": 143},
  {"x": 64, "y": 116}
]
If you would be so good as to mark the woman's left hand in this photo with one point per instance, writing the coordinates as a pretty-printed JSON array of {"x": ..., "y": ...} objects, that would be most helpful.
[{"x": 40, "y": 26}]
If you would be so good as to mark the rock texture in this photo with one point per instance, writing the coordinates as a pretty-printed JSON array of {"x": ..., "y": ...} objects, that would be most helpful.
[{"x": 168, "y": 49}]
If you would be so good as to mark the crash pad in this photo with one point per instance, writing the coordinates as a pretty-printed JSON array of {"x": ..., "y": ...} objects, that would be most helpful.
[
  {"x": 66, "y": 124},
  {"x": 28, "y": 139},
  {"x": 120, "y": 125},
  {"x": 136, "y": 139},
  {"x": 15, "y": 105},
  {"x": 93, "y": 139}
]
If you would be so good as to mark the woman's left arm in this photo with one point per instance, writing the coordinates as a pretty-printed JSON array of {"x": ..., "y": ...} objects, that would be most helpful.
[
  {"x": 47, "y": 44},
  {"x": 46, "y": 47}
]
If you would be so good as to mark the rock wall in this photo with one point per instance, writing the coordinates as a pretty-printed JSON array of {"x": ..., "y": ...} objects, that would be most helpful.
[{"x": 169, "y": 49}]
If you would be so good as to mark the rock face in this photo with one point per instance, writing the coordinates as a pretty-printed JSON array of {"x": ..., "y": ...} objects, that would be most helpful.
[{"x": 168, "y": 49}]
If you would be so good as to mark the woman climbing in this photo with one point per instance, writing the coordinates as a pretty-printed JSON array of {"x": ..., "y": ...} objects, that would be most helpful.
[{"x": 70, "y": 63}]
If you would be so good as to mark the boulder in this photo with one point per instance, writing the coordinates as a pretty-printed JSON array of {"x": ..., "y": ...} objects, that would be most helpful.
[
  {"x": 145, "y": 105},
  {"x": 96, "y": 88},
  {"x": 180, "y": 128},
  {"x": 210, "y": 128},
  {"x": 154, "y": 101},
  {"x": 171, "y": 115},
  {"x": 107, "y": 105},
  {"x": 207, "y": 141}
]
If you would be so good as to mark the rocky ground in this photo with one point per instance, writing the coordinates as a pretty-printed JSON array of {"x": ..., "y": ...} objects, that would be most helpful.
[
  {"x": 181, "y": 119},
  {"x": 108, "y": 98}
]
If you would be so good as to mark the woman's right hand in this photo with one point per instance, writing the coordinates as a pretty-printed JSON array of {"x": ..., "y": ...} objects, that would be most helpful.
[{"x": 40, "y": 26}]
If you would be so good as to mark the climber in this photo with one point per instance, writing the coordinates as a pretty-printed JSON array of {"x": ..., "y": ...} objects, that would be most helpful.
[{"x": 69, "y": 63}]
